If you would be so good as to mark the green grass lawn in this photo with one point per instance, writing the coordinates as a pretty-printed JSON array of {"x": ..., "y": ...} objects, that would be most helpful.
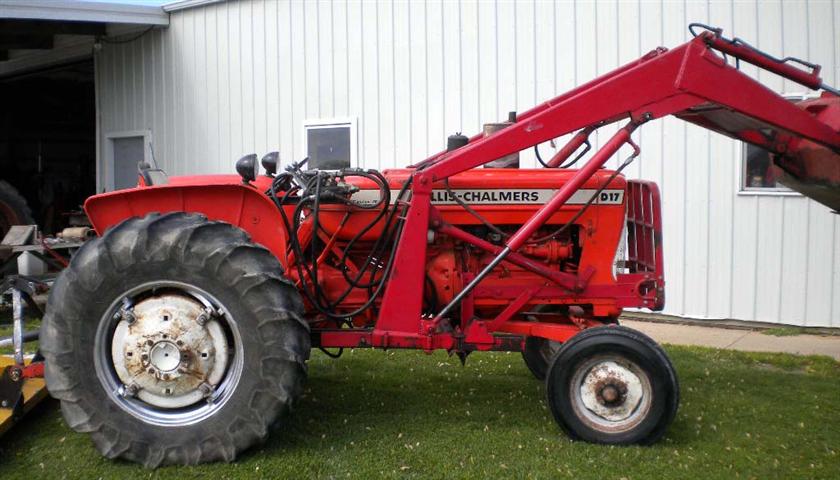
[
  {"x": 407, "y": 414},
  {"x": 6, "y": 330}
]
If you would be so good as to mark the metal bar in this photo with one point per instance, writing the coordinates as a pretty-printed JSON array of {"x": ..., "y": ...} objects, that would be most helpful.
[
  {"x": 29, "y": 336},
  {"x": 762, "y": 60},
  {"x": 475, "y": 281},
  {"x": 17, "y": 330},
  {"x": 569, "y": 188},
  {"x": 569, "y": 148},
  {"x": 563, "y": 279},
  {"x": 512, "y": 309},
  {"x": 527, "y": 115},
  {"x": 542, "y": 215}
]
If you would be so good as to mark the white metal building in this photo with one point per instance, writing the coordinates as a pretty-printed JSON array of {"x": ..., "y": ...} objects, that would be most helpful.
[{"x": 228, "y": 78}]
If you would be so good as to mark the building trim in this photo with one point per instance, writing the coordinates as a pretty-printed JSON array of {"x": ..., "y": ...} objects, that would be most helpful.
[
  {"x": 178, "y": 5},
  {"x": 76, "y": 10},
  {"x": 38, "y": 59}
]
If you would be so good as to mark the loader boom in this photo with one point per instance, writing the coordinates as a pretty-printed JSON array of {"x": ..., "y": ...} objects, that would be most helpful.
[{"x": 692, "y": 82}]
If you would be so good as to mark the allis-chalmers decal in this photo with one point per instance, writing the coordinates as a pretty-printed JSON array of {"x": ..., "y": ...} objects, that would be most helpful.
[{"x": 503, "y": 196}]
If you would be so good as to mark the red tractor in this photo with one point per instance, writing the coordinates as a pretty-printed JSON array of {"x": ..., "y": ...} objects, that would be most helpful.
[{"x": 182, "y": 333}]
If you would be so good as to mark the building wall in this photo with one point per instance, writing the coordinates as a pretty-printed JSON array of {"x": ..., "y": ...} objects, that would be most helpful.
[{"x": 239, "y": 77}]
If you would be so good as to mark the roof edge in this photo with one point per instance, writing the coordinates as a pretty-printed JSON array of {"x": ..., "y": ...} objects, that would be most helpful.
[
  {"x": 178, "y": 5},
  {"x": 83, "y": 11}
]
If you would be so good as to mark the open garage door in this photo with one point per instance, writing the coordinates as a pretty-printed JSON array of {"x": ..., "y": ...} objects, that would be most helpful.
[{"x": 48, "y": 140}]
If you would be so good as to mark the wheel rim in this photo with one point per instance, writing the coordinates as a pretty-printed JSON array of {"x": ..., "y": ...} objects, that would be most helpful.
[
  {"x": 611, "y": 393},
  {"x": 168, "y": 353}
]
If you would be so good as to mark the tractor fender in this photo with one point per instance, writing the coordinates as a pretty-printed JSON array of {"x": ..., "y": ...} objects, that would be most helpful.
[{"x": 218, "y": 197}]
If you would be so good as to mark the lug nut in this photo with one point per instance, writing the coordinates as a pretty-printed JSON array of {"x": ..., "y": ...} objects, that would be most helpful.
[
  {"x": 205, "y": 389},
  {"x": 130, "y": 390},
  {"x": 129, "y": 317}
]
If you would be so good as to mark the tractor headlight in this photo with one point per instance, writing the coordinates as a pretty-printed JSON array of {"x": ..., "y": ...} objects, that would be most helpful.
[
  {"x": 269, "y": 163},
  {"x": 248, "y": 168}
]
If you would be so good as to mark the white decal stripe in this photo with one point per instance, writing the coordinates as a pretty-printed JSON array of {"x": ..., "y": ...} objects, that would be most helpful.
[{"x": 503, "y": 197}]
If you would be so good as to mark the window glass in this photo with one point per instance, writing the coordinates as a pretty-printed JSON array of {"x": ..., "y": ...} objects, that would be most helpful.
[
  {"x": 759, "y": 171},
  {"x": 128, "y": 152},
  {"x": 329, "y": 148}
]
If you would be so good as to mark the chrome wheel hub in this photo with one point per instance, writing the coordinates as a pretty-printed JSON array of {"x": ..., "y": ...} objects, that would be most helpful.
[{"x": 169, "y": 351}]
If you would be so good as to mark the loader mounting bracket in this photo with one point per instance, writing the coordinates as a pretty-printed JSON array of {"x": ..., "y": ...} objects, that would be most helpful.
[{"x": 11, "y": 391}]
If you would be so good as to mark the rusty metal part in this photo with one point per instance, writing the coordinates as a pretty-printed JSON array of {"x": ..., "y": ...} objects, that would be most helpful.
[
  {"x": 76, "y": 233},
  {"x": 11, "y": 395},
  {"x": 508, "y": 161},
  {"x": 168, "y": 351},
  {"x": 611, "y": 394}
]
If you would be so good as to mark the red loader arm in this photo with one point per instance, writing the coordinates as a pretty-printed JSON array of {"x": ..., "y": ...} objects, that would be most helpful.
[{"x": 693, "y": 82}]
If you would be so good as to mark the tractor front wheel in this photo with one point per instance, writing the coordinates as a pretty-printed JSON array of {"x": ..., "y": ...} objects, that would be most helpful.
[
  {"x": 612, "y": 385},
  {"x": 174, "y": 340}
]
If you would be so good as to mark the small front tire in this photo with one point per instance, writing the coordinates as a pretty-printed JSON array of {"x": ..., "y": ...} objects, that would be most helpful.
[{"x": 612, "y": 385}]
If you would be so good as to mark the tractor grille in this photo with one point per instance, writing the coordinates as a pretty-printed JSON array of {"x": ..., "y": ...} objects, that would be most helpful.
[{"x": 644, "y": 233}]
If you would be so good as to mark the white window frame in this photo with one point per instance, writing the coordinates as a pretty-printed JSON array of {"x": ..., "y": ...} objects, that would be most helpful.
[
  {"x": 108, "y": 163},
  {"x": 743, "y": 189},
  {"x": 782, "y": 191},
  {"x": 319, "y": 123}
]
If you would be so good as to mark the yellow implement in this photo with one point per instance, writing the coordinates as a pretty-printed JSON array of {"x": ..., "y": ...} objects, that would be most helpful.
[{"x": 33, "y": 389}]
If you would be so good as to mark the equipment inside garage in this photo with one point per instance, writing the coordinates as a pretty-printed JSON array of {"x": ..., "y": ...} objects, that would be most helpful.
[
  {"x": 48, "y": 141},
  {"x": 48, "y": 138}
]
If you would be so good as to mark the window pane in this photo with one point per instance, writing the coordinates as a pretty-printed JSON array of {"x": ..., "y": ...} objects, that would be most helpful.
[
  {"x": 128, "y": 153},
  {"x": 759, "y": 171},
  {"x": 328, "y": 148}
]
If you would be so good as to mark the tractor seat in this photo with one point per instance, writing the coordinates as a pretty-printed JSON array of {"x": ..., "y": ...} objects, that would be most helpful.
[{"x": 152, "y": 176}]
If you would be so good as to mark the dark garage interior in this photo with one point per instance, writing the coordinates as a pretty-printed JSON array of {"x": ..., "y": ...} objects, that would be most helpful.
[{"x": 48, "y": 140}]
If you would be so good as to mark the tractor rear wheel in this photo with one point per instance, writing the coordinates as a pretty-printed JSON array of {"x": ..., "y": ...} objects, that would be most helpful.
[
  {"x": 539, "y": 351},
  {"x": 174, "y": 340},
  {"x": 537, "y": 354},
  {"x": 612, "y": 385},
  {"x": 13, "y": 209}
]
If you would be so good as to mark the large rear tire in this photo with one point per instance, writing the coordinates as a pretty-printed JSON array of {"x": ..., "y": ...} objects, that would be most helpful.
[
  {"x": 13, "y": 209},
  {"x": 612, "y": 385},
  {"x": 174, "y": 340}
]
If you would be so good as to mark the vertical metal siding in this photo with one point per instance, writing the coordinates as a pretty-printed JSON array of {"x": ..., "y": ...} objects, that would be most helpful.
[{"x": 231, "y": 78}]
